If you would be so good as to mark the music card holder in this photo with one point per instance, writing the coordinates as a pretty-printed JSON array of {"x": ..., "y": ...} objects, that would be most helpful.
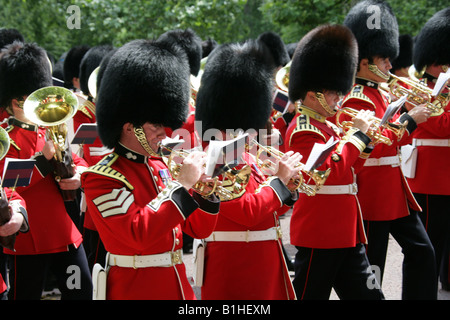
[
  {"x": 224, "y": 155},
  {"x": 86, "y": 134},
  {"x": 392, "y": 109},
  {"x": 319, "y": 154},
  {"x": 280, "y": 101},
  {"x": 17, "y": 172}
]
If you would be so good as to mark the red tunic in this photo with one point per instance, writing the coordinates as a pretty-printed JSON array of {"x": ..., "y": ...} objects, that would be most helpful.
[
  {"x": 249, "y": 270},
  {"x": 383, "y": 191},
  {"x": 139, "y": 223},
  {"x": 326, "y": 221},
  {"x": 431, "y": 159},
  {"x": 51, "y": 228}
]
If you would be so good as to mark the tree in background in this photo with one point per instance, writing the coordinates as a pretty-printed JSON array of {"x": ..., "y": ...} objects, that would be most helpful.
[{"x": 119, "y": 21}]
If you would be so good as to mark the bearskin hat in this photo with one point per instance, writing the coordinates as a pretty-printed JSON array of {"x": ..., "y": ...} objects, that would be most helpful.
[
  {"x": 375, "y": 27},
  {"x": 432, "y": 44},
  {"x": 8, "y": 36},
  {"x": 24, "y": 68},
  {"x": 277, "y": 48},
  {"x": 144, "y": 81},
  {"x": 325, "y": 58},
  {"x": 236, "y": 87},
  {"x": 90, "y": 61},
  {"x": 190, "y": 42},
  {"x": 404, "y": 58},
  {"x": 72, "y": 63}
]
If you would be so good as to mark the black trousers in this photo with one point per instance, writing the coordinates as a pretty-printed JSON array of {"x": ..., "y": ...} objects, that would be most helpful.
[
  {"x": 345, "y": 270},
  {"x": 419, "y": 266},
  {"x": 435, "y": 217},
  {"x": 28, "y": 273}
]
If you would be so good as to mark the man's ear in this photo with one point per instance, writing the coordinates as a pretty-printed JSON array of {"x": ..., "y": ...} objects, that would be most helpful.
[
  {"x": 364, "y": 62},
  {"x": 128, "y": 128},
  {"x": 76, "y": 82}
]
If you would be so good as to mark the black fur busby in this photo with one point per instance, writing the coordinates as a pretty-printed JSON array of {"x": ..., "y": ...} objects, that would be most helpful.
[
  {"x": 236, "y": 88},
  {"x": 277, "y": 47},
  {"x": 144, "y": 81},
  {"x": 190, "y": 42},
  {"x": 208, "y": 46},
  {"x": 404, "y": 59},
  {"x": 24, "y": 68},
  {"x": 325, "y": 58},
  {"x": 375, "y": 27},
  {"x": 432, "y": 44},
  {"x": 8, "y": 36},
  {"x": 90, "y": 61},
  {"x": 72, "y": 63}
]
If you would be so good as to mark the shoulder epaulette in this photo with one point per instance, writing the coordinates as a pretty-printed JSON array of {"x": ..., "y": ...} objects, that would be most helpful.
[
  {"x": 86, "y": 107},
  {"x": 303, "y": 124},
  {"x": 357, "y": 93},
  {"x": 11, "y": 141},
  {"x": 103, "y": 167}
]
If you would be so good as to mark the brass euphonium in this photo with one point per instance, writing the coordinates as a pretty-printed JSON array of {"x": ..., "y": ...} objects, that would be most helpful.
[
  {"x": 417, "y": 93},
  {"x": 375, "y": 131},
  {"x": 234, "y": 182},
  {"x": 282, "y": 77},
  {"x": 51, "y": 107},
  {"x": 268, "y": 167}
]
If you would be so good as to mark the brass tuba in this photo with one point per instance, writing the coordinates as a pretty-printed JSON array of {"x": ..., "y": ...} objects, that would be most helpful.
[
  {"x": 375, "y": 130},
  {"x": 417, "y": 93},
  {"x": 52, "y": 107},
  {"x": 319, "y": 177}
]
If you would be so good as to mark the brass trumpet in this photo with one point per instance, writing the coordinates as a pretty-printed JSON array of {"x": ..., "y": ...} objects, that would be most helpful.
[
  {"x": 375, "y": 130},
  {"x": 233, "y": 185},
  {"x": 52, "y": 107},
  {"x": 417, "y": 94},
  {"x": 319, "y": 177}
]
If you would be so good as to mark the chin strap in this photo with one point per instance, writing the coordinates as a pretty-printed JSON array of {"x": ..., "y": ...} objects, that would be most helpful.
[
  {"x": 140, "y": 135},
  {"x": 374, "y": 69},
  {"x": 323, "y": 102}
]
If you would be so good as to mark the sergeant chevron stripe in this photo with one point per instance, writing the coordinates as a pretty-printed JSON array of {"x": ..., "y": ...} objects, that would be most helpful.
[{"x": 116, "y": 202}]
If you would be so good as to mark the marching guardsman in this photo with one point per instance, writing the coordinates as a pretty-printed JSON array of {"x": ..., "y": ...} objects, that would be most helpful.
[
  {"x": 17, "y": 222},
  {"x": 243, "y": 256},
  {"x": 53, "y": 242},
  {"x": 139, "y": 211},
  {"x": 192, "y": 44},
  {"x": 432, "y": 142},
  {"x": 94, "y": 152},
  {"x": 387, "y": 203},
  {"x": 71, "y": 67},
  {"x": 327, "y": 228}
]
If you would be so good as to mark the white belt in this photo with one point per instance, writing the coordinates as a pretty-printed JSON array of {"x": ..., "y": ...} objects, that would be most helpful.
[
  {"x": 166, "y": 259},
  {"x": 432, "y": 142},
  {"x": 385, "y": 161},
  {"x": 339, "y": 189},
  {"x": 245, "y": 236}
]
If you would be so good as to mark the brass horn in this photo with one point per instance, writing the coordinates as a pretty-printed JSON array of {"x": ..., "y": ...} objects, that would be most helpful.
[
  {"x": 4, "y": 143},
  {"x": 233, "y": 185},
  {"x": 375, "y": 130},
  {"x": 282, "y": 77},
  {"x": 52, "y": 107},
  {"x": 268, "y": 167},
  {"x": 417, "y": 93}
]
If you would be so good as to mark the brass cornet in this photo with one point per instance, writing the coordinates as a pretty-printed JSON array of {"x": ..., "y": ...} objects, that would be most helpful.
[
  {"x": 375, "y": 130},
  {"x": 234, "y": 182},
  {"x": 282, "y": 77},
  {"x": 417, "y": 94},
  {"x": 319, "y": 177}
]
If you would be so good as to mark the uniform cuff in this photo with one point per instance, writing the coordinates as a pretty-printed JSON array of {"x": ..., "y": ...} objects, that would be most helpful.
[
  {"x": 210, "y": 205},
  {"x": 411, "y": 126},
  {"x": 42, "y": 164}
]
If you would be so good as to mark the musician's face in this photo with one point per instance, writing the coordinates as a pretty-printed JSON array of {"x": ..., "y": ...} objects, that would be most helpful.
[{"x": 155, "y": 133}]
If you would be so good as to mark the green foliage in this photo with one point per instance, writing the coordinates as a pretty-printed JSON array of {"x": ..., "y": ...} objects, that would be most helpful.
[{"x": 119, "y": 21}]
